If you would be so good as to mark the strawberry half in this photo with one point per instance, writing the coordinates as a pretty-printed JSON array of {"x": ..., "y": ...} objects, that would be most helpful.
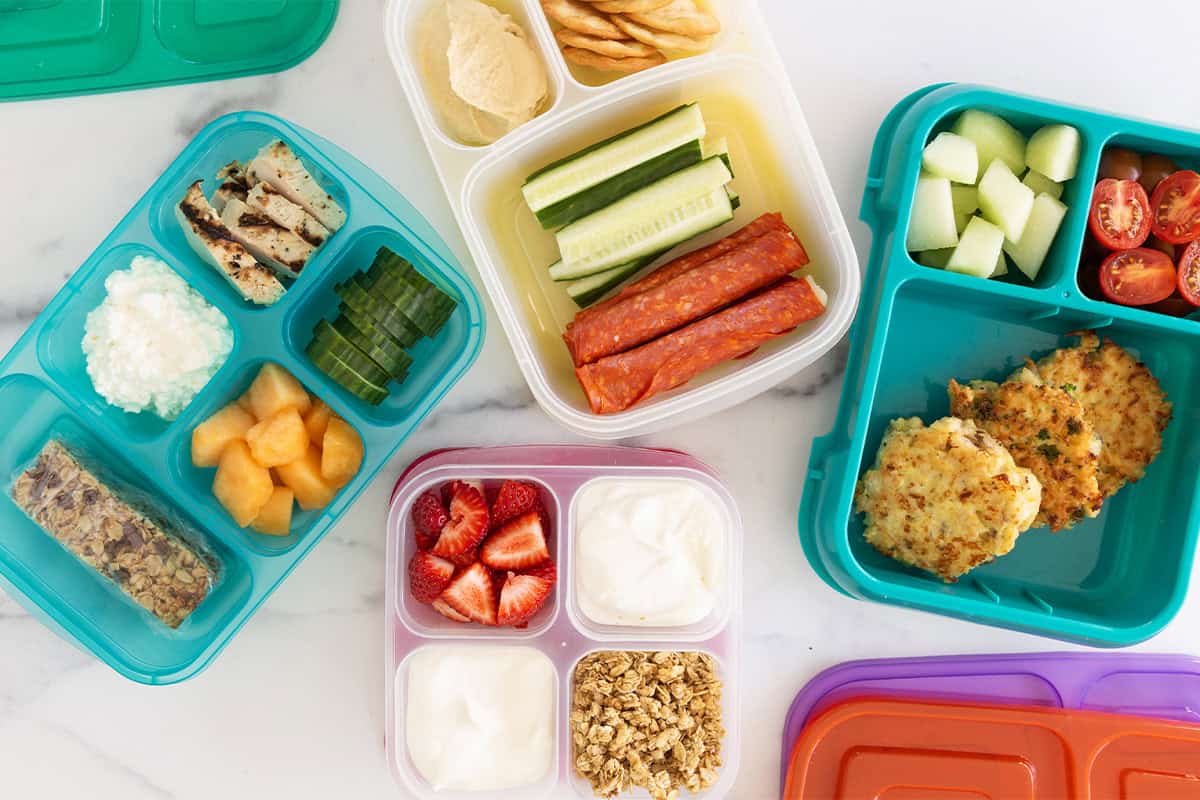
[
  {"x": 428, "y": 576},
  {"x": 512, "y": 500},
  {"x": 472, "y": 595},
  {"x": 523, "y": 595},
  {"x": 467, "y": 526},
  {"x": 520, "y": 544},
  {"x": 443, "y": 608},
  {"x": 429, "y": 517}
]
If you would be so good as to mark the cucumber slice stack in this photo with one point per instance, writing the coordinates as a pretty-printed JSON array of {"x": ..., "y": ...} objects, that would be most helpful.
[
  {"x": 385, "y": 310},
  {"x": 621, "y": 203}
]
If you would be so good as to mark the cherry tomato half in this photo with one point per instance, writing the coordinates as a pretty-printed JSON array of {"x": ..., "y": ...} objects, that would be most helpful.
[
  {"x": 1155, "y": 169},
  {"x": 1176, "y": 207},
  {"x": 1137, "y": 277},
  {"x": 1120, "y": 164},
  {"x": 1120, "y": 216},
  {"x": 1189, "y": 274}
]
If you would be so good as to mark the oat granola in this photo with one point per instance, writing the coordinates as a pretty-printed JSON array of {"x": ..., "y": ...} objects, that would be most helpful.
[
  {"x": 648, "y": 719},
  {"x": 158, "y": 570}
]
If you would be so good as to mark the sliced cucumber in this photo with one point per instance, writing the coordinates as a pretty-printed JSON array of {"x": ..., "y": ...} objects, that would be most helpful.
[
  {"x": 735, "y": 200},
  {"x": 1004, "y": 200},
  {"x": 1042, "y": 185},
  {"x": 952, "y": 156},
  {"x": 579, "y": 205},
  {"x": 381, "y": 315},
  {"x": 651, "y": 219},
  {"x": 381, "y": 347},
  {"x": 345, "y": 375},
  {"x": 392, "y": 276},
  {"x": 1054, "y": 152},
  {"x": 601, "y": 161},
  {"x": 1029, "y": 252},
  {"x": 586, "y": 291},
  {"x": 979, "y": 249},
  {"x": 329, "y": 340},
  {"x": 932, "y": 226},
  {"x": 408, "y": 302},
  {"x": 994, "y": 138},
  {"x": 717, "y": 147}
]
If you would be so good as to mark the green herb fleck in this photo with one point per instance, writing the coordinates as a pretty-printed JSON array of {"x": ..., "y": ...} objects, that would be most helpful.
[
  {"x": 1068, "y": 387},
  {"x": 1051, "y": 452},
  {"x": 1043, "y": 434}
]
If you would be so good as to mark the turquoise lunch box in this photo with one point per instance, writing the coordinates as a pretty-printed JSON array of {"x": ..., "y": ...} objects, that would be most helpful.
[{"x": 1108, "y": 582}]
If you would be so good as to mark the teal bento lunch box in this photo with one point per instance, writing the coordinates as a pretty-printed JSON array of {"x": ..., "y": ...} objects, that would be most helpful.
[
  {"x": 1110, "y": 581},
  {"x": 45, "y": 392}
]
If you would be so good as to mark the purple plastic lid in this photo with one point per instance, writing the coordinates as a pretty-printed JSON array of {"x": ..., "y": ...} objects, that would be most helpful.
[{"x": 1146, "y": 685}]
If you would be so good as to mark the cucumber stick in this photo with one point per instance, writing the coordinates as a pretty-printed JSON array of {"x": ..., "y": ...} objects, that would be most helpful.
[
  {"x": 717, "y": 147},
  {"x": 602, "y": 194},
  {"x": 598, "y": 163},
  {"x": 586, "y": 291},
  {"x": 650, "y": 220}
]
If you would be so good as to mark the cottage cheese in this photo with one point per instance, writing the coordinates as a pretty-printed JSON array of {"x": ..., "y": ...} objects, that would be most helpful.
[{"x": 154, "y": 342}]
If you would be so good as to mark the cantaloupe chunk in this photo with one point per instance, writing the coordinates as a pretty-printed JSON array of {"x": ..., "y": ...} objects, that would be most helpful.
[
  {"x": 303, "y": 477},
  {"x": 316, "y": 420},
  {"x": 244, "y": 403},
  {"x": 210, "y": 437},
  {"x": 274, "y": 390},
  {"x": 279, "y": 440},
  {"x": 242, "y": 485},
  {"x": 275, "y": 519},
  {"x": 341, "y": 453}
]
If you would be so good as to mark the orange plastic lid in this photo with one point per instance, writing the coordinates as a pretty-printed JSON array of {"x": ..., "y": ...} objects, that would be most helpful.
[{"x": 873, "y": 749}]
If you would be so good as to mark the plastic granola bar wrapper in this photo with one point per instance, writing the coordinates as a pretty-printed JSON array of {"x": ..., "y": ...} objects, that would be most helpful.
[{"x": 121, "y": 534}]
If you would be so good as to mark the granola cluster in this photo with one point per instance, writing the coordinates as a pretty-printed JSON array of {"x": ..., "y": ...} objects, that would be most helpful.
[{"x": 647, "y": 719}]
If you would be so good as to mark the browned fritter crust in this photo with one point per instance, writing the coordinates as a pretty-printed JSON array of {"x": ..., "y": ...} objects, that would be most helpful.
[
  {"x": 1045, "y": 430},
  {"x": 1121, "y": 398}
]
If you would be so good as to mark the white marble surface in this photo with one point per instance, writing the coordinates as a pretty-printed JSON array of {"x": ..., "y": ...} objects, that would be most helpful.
[{"x": 294, "y": 707}]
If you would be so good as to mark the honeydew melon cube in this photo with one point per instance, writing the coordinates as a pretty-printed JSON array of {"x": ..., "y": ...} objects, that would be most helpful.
[
  {"x": 961, "y": 221},
  {"x": 932, "y": 225},
  {"x": 935, "y": 258},
  {"x": 952, "y": 156},
  {"x": 1054, "y": 152},
  {"x": 994, "y": 138},
  {"x": 1029, "y": 252},
  {"x": 978, "y": 250},
  {"x": 1004, "y": 200},
  {"x": 1042, "y": 185},
  {"x": 1001, "y": 267},
  {"x": 966, "y": 203}
]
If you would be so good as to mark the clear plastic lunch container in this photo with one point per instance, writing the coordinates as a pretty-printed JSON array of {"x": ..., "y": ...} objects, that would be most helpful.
[
  {"x": 745, "y": 95},
  {"x": 45, "y": 392},
  {"x": 559, "y": 630},
  {"x": 1111, "y": 581}
]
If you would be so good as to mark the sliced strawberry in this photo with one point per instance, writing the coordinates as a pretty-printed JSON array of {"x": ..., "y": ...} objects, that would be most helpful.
[
  {"x": 512, "y": 500},
  {"x": 467, "y": 526},
  {"x": 443, "y": 608},
  {"x": 429, "y": 516},
  {"x": 523, "y": 595},
  {"x": 428, "y": 576},
  {"x": 472, "y": 594},
  {"x": 520, "y": 544}
]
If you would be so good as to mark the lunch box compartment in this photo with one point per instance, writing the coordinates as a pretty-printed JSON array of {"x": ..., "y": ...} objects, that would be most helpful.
[
  {"x": 423, "y": 620},
  {"x": 432, "y": 358},
  {"x": 159, "y": 453},
  {"x": 402, "y": 27},
  {"x": 560, "y": 470},
  {"x": 740, "y": 103},
  {"x": 60, "y": 342},
  {"x": 247, "y": 30},
  {"x": 68, "y": 593}
]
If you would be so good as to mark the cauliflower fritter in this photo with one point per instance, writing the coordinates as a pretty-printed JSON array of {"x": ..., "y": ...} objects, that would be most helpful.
[
  {"x": 1046, "y": 431},
  {"x": 945, "y": 498},
  {"x": 1121, "y": 399}
]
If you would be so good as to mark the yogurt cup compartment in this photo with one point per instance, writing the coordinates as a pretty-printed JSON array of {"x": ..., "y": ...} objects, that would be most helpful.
[
  {"x": 158, "y": 454},
  {"x": 560, "y": 471},
  {"x": 745, "y": 95}
]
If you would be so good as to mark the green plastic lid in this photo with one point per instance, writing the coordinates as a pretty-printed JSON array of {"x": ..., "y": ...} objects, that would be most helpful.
[{"x": 52, "y": 48}]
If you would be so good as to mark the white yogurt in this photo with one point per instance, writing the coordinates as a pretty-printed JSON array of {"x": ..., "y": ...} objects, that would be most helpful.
[
  {"x": 648, "y": 552},
  {"x": 480, "y": 719}
]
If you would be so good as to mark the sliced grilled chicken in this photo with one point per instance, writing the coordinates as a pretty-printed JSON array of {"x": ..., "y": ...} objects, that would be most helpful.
[
  {"x": 228, "y": 191},
  {"x": 269, "y": 242},
  {"x": 278, "y": 165},
  {"x": 271, "y": 204},
  {"x": 235, "y": 172},
  {"x": 214, "y": 242}
]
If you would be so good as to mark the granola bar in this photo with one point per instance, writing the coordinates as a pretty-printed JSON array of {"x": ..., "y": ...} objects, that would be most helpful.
[
  {"x": 155, "y": 568},
  {"x": 647, "y": 719}
]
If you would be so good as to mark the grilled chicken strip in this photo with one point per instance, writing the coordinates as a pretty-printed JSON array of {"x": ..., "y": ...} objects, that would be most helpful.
[
  {"x": 269, "y": 242},
  {"x": 279, "y": 166}
]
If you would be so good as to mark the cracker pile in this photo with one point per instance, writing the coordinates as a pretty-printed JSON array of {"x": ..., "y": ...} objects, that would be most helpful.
[{"x": 630, "y": 35}]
